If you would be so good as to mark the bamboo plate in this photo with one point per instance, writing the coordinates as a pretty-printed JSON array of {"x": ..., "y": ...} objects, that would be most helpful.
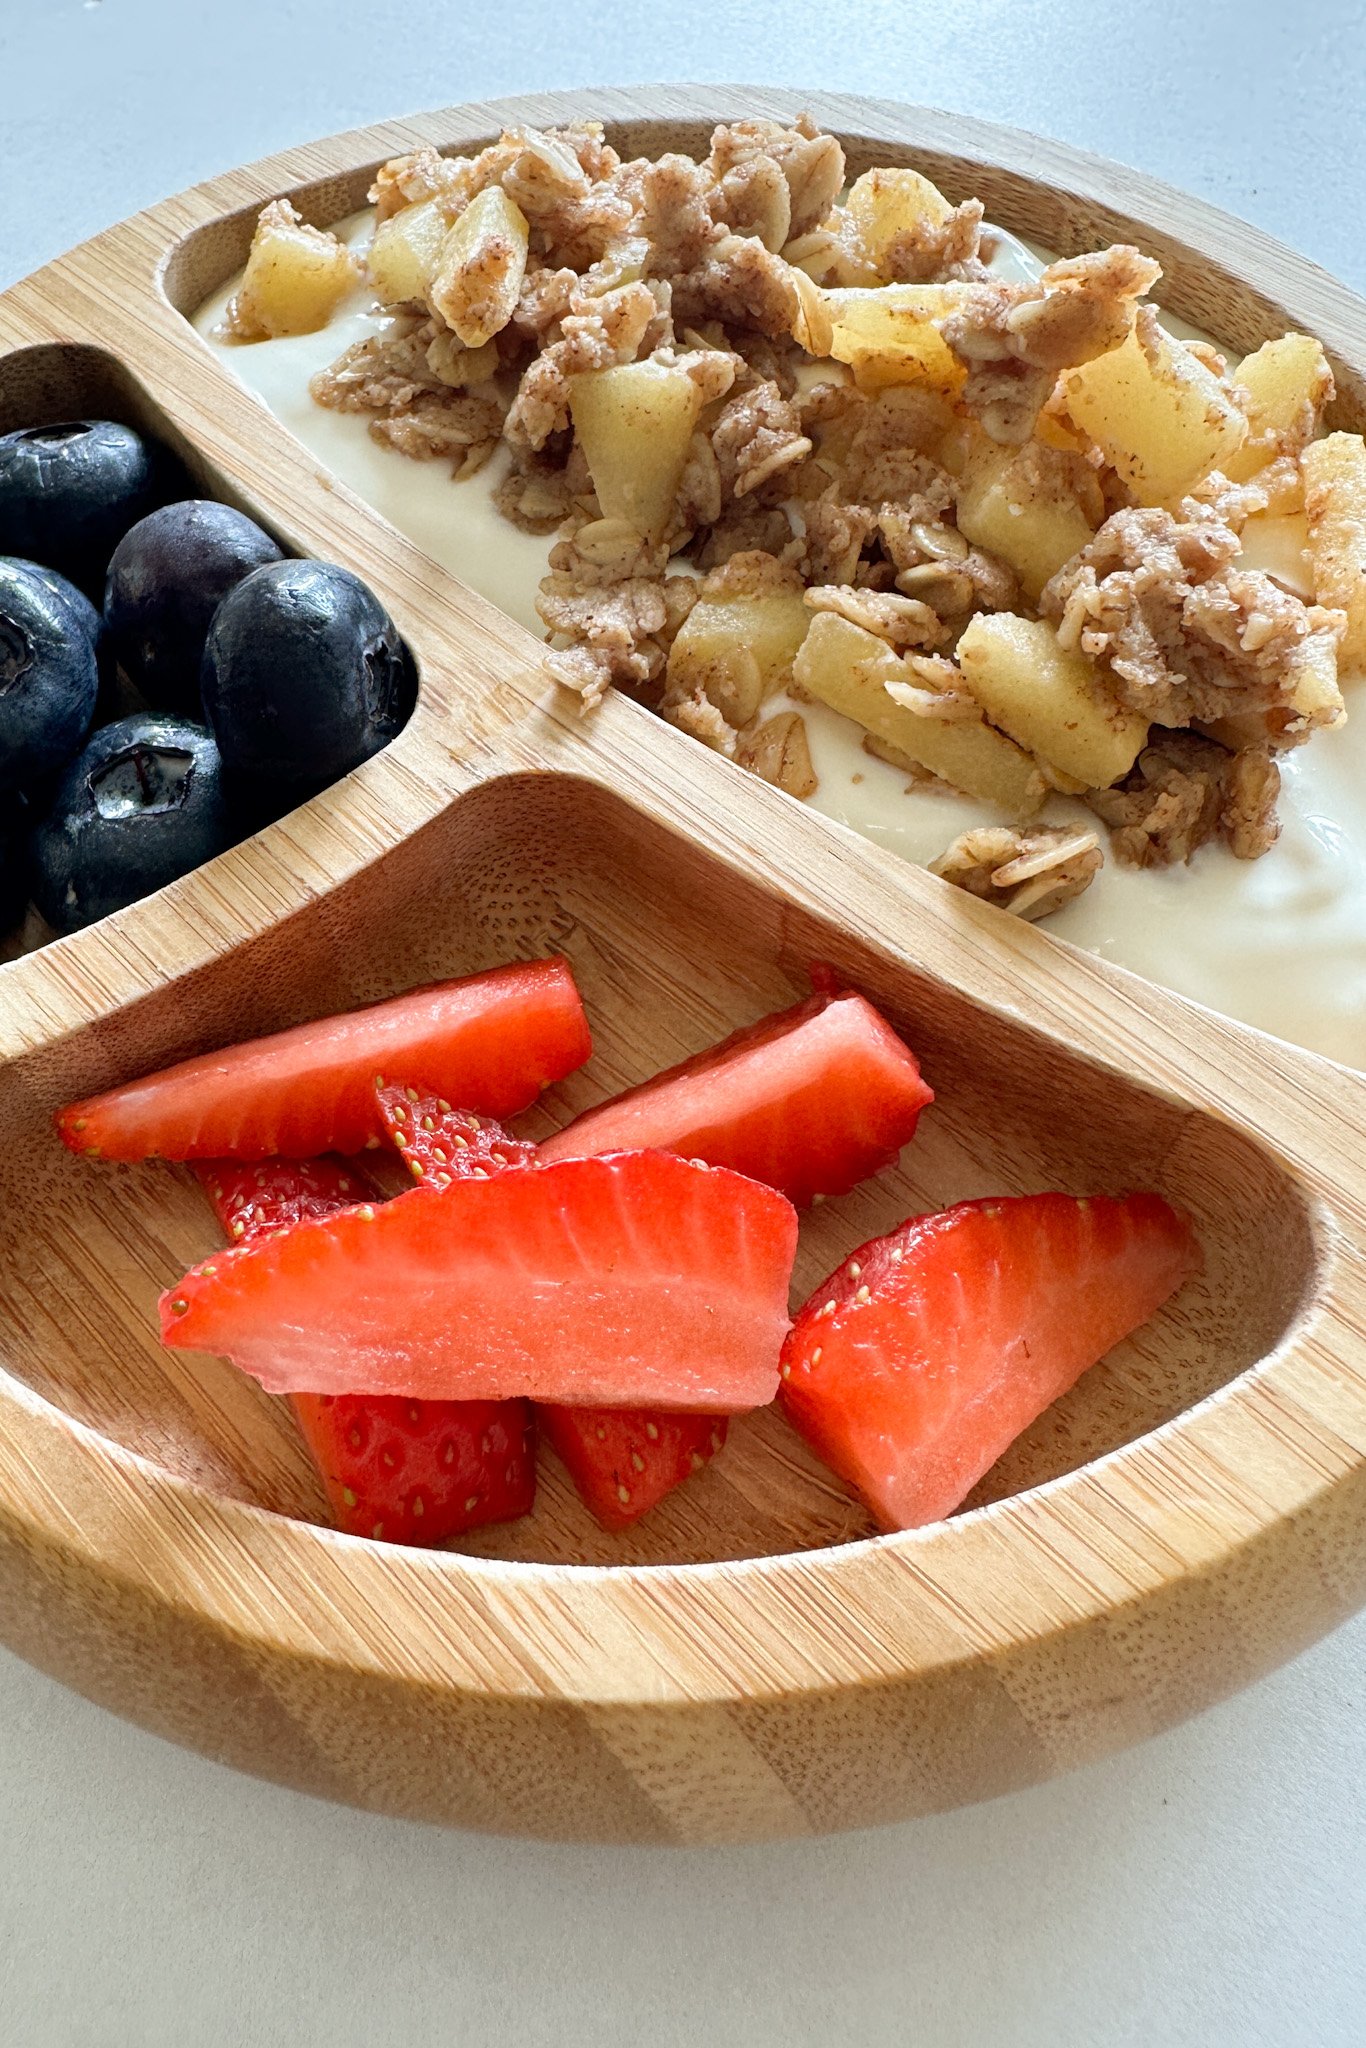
[{"x": 746, "y": 1663}]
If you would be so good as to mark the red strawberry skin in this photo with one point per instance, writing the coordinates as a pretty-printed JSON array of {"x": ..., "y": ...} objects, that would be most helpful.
[
  {"x": 440, "y": 1144},
  {"x": 624, "y": 1460},
  {"x": 401, "y": 1471},
  {"x": 810, "y": 1101},
  {"x": 491, "y": 1042},
  {"x": 928, "y": 1351},
  {"x": 420, "y": 1471},
  {"x": 638, "y": 1280}
]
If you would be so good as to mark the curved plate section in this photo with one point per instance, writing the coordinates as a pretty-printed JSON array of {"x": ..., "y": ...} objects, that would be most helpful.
[{"x": 672, "y": 950}]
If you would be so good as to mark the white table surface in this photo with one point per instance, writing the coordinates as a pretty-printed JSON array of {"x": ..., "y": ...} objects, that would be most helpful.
[{"x": 1208, "y": 1888}]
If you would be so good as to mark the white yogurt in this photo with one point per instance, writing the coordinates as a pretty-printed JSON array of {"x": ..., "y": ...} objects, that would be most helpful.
[
  {"x": 457, "y": 524},
  {"x": 1279, "y": 943}
]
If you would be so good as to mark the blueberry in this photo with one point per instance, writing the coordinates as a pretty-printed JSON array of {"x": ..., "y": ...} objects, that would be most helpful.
[
  {"x": 140, "y": 806},
  {"x": 48, "y": 679},
  {"x": 69, "y": 493},
  {"x": 304, "y": 677},
  {"x": 166, "y": 579}
]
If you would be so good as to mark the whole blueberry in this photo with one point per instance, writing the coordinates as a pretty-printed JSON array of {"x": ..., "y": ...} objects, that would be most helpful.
[
  {"x": 68, "y": 494},
  {"x": 304, "y": 677},
  {"x": 48, "y": 679},
  {"x": 141, "y": 805},
  {"x": 167, "y": 577}
]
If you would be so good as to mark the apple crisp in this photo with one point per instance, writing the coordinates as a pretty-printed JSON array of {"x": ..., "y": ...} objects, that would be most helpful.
[{"x": 796, "y": 441}]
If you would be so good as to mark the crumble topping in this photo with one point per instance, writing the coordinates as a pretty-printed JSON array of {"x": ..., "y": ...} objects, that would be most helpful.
[
  {"x": 596, "y": 332},
  {"x": 1182, "y": 792},
  {"x": 903, "y": 622},
  {"x": 1184, "y": 634},
  {"x": 947, "y": 250},
  {"x": 933, "y": 688},
  {"x": 778, "y": 752},
  {"x": 738, "y": 281},
  {"x": 811, "y": 163},
  {"x": 1027, "y": 873},
  {"x": 1014, "y": 339},
  {"x": 428, "y": 394}
]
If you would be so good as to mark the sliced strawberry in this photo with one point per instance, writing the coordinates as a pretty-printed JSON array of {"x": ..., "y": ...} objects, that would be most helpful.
[
  {"x": 491, "y": 1042},
  {"x": 254, "y": 1199},
  {"x": 811, "y": 1101},
  {"x": 624, "y": 1460},
  {"x": 407, "y": 1471},
  {"x": 420, "y": 1471},
  {"x": 440, "y": 1144},
  {"x": 638, "y": 1280},
  {"x": 927, "y": 1352}
]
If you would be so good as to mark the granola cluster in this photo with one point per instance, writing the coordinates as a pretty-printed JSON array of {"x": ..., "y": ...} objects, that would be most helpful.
[
  {"x": 1028, "y": 873},
  {"x": 827, "y": 425},
  {"x": 1183, "y": 633}
]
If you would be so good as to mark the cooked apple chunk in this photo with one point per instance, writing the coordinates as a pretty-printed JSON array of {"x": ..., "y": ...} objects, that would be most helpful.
[
  {"x": 1156, "y": 412},
  {"x": 1287, "y": 383},
  {"x": 1335, "y": 505},
  {"x": 737, "y": 644},
  {"x": 296, "y": 277},
  {"x": 888, "y": 335},
  {"x": 1048, "y": 698},
  {"x": 635, "y": 422},
  {"x": 479, "y": 273},
  {"x": 895, "y": 227},
  {"x": 812, "y": 325},
  {"x": 1316, "y": 702},
  {"x": 406, "y": 250},
  {"x": 892, "y": 697},
  {"x": 1023, "y": 504},
  {"x": 1278, "y": 544},
  {"x": 886, "y": 204}
]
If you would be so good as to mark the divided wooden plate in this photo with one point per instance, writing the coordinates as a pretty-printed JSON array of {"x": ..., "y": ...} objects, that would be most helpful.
[{"x": 750, "y": 1661}]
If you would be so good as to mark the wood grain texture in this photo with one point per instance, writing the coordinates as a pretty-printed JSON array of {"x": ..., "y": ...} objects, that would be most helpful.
[{"x": 748, "y": 1661}]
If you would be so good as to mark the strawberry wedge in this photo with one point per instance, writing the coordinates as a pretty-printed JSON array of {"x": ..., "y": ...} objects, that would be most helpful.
[
  {"x": 491, "y": 1042},
  {"x": 810, "y": 1101},
  {"x": 420, "y": 1472},
  {"x": 399, "y": 1471},
  {"x": 623, "y": 1461},
  {"x": 440, "y": 1144},
  {"x": 636, "y": 1280},
  {"x": 927, "y": 1352}
]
